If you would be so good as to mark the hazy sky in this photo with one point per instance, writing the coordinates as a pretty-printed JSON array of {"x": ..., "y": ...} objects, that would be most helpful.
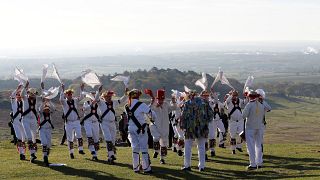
[{"x": 80, "y": 23}]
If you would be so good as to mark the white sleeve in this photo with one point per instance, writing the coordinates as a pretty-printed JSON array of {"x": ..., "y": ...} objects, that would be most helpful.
[
  {"x": 267, "y": 107},
  {"x": 86, "y": 106},
  {"x": 62, "y": 97}
]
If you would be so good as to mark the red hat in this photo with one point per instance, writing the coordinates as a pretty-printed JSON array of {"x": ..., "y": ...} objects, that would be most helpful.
[
  {"x": 148, "y": 92},
  {"x": 108, "y": 93},
  {"x": 161, "y": 94}
]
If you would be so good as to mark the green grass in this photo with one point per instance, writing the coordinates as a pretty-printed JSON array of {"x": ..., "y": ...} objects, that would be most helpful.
[
  {"x": 291, "y": 151},
  {"x": 281, "y": 161}
]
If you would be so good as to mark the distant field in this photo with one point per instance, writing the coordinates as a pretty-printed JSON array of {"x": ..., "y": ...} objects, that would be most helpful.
[{"x": 291, "y": 151}]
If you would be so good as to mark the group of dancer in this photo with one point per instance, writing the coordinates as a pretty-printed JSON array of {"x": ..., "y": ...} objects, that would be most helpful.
[{"x": 194, "y": 117}]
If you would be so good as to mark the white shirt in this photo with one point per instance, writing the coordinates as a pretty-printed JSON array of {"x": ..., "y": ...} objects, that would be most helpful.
[
  {"x": 254, "y": 113},
  {"x": 14, "y": 104},
  {"x": 212, "y": 104},
  {"x": 73, "y": 115},
  {"x": 52, "y": 109},
  {"x": 236, "y": 115},
  {"x": 30, "y": 115},
  {"x": 103, "y": 107},
  {"x": 87, "y": 110},
  {"x": 140, "y": 113},
  {"x": 162, "y": 112}
]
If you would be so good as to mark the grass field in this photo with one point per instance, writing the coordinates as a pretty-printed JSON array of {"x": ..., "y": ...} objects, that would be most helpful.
[{"x": 291, "y": 151}]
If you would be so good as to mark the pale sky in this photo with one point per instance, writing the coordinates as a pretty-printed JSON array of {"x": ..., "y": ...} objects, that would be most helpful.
[{"x": 27, "y": 24}]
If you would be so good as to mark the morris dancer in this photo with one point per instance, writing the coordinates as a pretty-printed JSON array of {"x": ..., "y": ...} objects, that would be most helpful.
[
  {"x": 137, "y": 129},
  {"x": 72, "y": 118},
  {"x": 108, "y": 120}
]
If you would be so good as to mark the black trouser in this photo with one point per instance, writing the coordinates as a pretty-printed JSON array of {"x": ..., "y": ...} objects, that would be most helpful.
[
  {"x": 171, "y": 135},
  {"x": 13, "y": 133},
  {"x": 64, "y": 137},
  {"x": 150, "y": 139}
]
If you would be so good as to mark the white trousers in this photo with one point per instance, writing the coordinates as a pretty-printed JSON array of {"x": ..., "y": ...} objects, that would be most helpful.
[
  {"x": 179, "y": 134},
  {"x": 139, "y": 143},
  {"x": 30, "y": 128},
  {"x": 235, "y": 128},
  {"x": 253, "y": 140},
  {"x": 158, "y": 136},
  {"x": 19, "y": 130},
  {"x": 92, "y": 129},
  {"x": 73, "y": 128},
  {"x": 213, "y": 126},
  {"x": 260, "y": 161},
  {"x": 109, "y": 130},
  {"x": 201, "y": 152},
  {"x": 45, "y": 136}
]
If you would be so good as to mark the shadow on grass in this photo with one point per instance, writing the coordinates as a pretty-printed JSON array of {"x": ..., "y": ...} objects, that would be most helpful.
[
  {"x": 211, "y": 173},
  {"x": 291, "y": 163},
  {"x": 84, "y": 173},
  {"x": 105, "y": 162},
  {"x": 274, "y": 170}
]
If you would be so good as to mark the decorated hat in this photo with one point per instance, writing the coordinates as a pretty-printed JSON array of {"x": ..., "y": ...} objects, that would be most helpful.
[
  {"x": 205, "y": 93},
  {"x": 235, "y": 93},
  {"x": 108, "y": 93},
  {"x": 161, "y": 94},
  {"x": 32, "y": 91},
  {"x": 69, "y": 91},
  {"x": 134, "y": 93}
]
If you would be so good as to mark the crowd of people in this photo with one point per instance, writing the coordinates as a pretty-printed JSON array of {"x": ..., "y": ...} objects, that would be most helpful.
[{"x": 192, "y": 117}]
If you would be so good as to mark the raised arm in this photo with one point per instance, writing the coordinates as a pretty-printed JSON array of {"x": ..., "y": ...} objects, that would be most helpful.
[
  {"x": 246, "y": 111},
  {"x": 124, "y": 98},
  {"x": 24, "y": 91},
  {"x": 62, "y": 97},
  {"x": 80, "y": 97},
  {"x": 267, "y": 107}
]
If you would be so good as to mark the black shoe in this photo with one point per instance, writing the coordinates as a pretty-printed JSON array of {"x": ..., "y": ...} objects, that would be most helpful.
[
  {"x": 111, "y": 161},
  {"x": 113, "y": 157},
  {"x": 155, "y": 154},
  {"x": 81, "y": 152},
  {"x": 180, "y": 153},
  {"x": 33, "y": 158},
  {"x": 162, "y": 161},
  {"x": 186, "y": 168},
  {"x": 213, "y": 153},
  {"x": 239, "y": 149},
  {"x": 71, "y": 156},
  {"x": 95, "y": 158},
  {"x": 137, "y": 171},
  {"x": 233, "y": 151},
  {"x": 22, "y": 157},
  {"x": 201, "y": 169},
  {"x": 147, "y": 172},
  {"x": 221, "y": 146},
  {"x": 250, "y": 168},
  {"x": 259, "y": 167},
  {"x": 175, "y": 149},
  {"x": 46, "y": 161},
  {"x": 207, "y": 157}
]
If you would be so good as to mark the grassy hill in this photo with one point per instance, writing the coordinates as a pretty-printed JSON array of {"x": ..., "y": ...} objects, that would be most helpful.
[{"x": 291, "y": 151}]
